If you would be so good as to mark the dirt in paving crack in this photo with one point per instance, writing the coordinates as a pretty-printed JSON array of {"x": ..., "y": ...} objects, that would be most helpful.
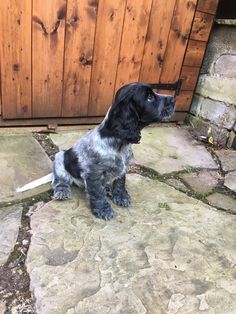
[
  {"x": 47, "y": 144},
  {"x": 14, "y": 278}
]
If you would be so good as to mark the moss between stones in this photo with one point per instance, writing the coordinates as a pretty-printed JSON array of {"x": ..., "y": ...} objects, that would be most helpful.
[
  {"x": 152, "y": 174},
  {"x": 15, "y": 280},
  {"x": 44, "y": 196},
  {"x": 47, "y": 144},
  {"x": 164, "y": 206}
]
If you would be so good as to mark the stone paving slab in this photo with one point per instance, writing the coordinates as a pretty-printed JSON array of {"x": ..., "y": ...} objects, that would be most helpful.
[
  {"x": 230, "y": 181},
  {"x": 10, "y": 221},
  {"x": 167, "y": 253},
  {"x": 177, "y": 184},
  {"x": 223, "y": 201},
  {"x": 203, "y": 181},
  {"x": 66, "y": 139},
  {"x": 168, "y": 149},
  {"x": 227, "y": 159},
  {"x": 21, "y": 160}
]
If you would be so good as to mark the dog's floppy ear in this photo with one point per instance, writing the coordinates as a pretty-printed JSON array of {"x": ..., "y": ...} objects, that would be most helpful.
[{"x": 123, "y": 118}]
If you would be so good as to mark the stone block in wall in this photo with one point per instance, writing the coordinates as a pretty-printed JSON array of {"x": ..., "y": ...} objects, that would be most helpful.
[
  {"x": 218, "y": 112},
  {"x": 196, "y": 105},
  {"x": 201, "y": 128},
  {"x": 217, "y": 87},
  {"x": 215, "y": 111},
  {"x": 225, "y": 66},
  {"x": 222, "y": 41}
]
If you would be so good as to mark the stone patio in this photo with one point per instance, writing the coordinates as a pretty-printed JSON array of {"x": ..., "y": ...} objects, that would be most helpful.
[
  {"x": 22, "y": 160},
  {"x": 169, "y": 252},
  {"x": 171, "y": 149}
]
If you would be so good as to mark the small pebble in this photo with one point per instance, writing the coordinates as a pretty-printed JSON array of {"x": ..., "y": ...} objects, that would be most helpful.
[{"x": 25, "y": 242}]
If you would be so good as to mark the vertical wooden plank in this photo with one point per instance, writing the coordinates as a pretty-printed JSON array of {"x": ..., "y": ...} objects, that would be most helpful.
[
  {"x": 48, "y": 52},
  {"x": 189, "y": 75},
  {"x": 156, "y": 40},
  {"x": 15, "y": 37},
  {"x": 184, "y": 100},
  {"x": 177, "y": 41},
  {"x": 208, "y": 6},
  {"x": 106, "y": 52},
  {"x": 195, "y": 53},
  {"x": 201, "y": 26},
  {"x": 80, "y": 31},
  {"x": 132, "y": 43}
]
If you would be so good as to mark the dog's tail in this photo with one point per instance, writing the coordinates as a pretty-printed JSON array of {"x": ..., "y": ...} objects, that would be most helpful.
[{"x": 36, "y": 183}]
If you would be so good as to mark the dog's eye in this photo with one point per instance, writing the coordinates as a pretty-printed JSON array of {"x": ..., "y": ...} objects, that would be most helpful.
[{"x": 150, "y": 97}]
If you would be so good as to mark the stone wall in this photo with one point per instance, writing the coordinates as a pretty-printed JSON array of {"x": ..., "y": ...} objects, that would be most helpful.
[{"x": 213, "y": 110}]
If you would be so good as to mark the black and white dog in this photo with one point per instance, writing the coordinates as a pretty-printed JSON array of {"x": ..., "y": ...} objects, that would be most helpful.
[{"x": 100, "y": 158}]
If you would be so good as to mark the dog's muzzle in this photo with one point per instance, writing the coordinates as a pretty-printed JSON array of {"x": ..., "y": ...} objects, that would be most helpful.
[{"x": 168, "y": 108}]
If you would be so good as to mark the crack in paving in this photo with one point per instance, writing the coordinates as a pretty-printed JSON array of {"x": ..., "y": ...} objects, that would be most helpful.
[
  {"x": 47, "y": 144},
  {"x": 14, "y": 278},
  {"x": 29, "y": 200},
  {"x": 152, "y": 174},
  {"x": 216, "y": 159}
]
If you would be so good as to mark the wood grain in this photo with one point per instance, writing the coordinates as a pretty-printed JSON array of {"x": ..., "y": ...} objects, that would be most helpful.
[
  {"x": 132, "y": 42},
  {"x": 208, "y": 6},
  {"x": 177, "y": 40},
  {"x": 195, "y": 53},
  {"x": 184, "y": 100},
  {"x": 100, "y": 45},
  {"x": 156, "y": 40},
  {"x": 201, "y": 26},
  {"x": 47, "y": 54},
  {"x": 190, "y": 77},
  {"x": 80, "y": 32},
  {"x": 106, "y": 52},
  {"x": 15, "y": 38}
]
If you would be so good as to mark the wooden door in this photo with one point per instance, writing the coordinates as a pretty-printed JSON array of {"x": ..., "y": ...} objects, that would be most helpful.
[{"x": 66, "y": 58}]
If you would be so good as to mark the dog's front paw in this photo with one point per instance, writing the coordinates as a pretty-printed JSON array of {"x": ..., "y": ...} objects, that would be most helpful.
[
  {"x": 106, "y": 212},
  {"x": 121, "y": 199},
  {"x": 61, "y": 193}
]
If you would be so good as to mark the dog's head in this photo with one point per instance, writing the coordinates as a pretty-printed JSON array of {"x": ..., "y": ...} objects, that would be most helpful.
[{"x": 136, "y": 105}]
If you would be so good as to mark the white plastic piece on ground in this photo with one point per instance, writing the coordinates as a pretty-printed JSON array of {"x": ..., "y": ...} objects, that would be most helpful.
[{"x": 36, "y": 183}]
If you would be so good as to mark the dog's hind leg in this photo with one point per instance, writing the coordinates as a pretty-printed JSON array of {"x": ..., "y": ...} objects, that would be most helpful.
[{"x": 62, "y": 180}]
